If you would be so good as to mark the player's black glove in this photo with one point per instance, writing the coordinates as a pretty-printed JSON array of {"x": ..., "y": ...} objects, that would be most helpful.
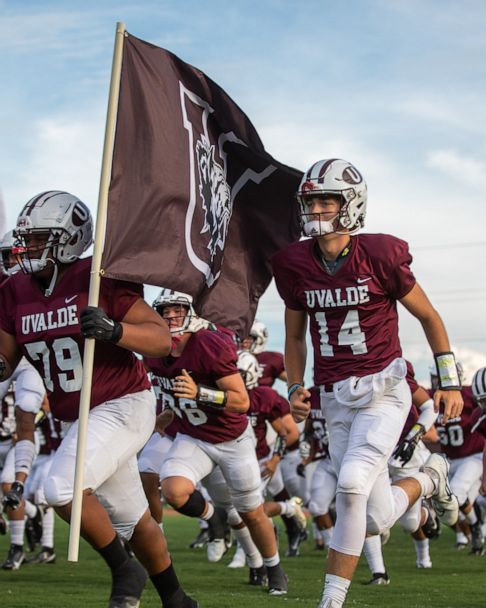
[
  {"x": 301, "y": 469},
  {"x": 404, "y": 450},
  {"x": 13, "y": 497},
  {"x": 95, "y": 323}
]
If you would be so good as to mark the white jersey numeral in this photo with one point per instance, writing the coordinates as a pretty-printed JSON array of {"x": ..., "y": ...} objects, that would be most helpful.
[
  {"x": 350, "y": 334},
  {"x": 186, "y": 406},
  {"x": 68, "y": 359},
  {"x": 451, "y": 435}
]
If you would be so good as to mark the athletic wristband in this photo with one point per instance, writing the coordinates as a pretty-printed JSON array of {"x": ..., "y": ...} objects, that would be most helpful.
[
  {"x": 427, "y": 415},
  {"x": 447, "y": 373},
  {"x": 211, "y": 396},
  {"x": 279, "y": 446},
  {"x": 415, "y": 432},
  {"x": 293, "y": 388}
]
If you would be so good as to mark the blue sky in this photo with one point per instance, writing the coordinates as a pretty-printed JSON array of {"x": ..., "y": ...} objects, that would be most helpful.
[{"x": 397, "y": 87}]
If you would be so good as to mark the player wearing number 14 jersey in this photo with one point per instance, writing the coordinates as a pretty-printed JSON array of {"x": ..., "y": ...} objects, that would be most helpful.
[
  {"x": 347, "y": 286},
  {"x": 44, "y": 315}
]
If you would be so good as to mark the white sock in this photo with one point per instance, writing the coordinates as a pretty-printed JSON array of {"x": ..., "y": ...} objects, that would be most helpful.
[
  {"x": 244, "y": 539},
  {"x": 48, "y": 529},
  {"x": 17, "y": 529},
  {"x": 30, "y": 509},
  {"x": 374, "y": 555},
  {"x": 426, "y": 483},
  {"x": 335, "y": 589},
  {"x": 271, "y": 561},
  {"x": 327, "y": 536},
  {"x": 284, "y": 507},
  {"x": 471, "y": 517},
  {"x": 209, "y": 511},
  {"x": 422, "y": 550}
]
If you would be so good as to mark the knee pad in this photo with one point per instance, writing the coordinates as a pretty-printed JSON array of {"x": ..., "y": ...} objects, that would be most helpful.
[
  {"x": 195, "y": 505},
  {"x": 378, "y": 521},
  {"x": 352, "y": 479},
  {"x": 410, "y": 521},
  {"x": 57, "y": 491}
]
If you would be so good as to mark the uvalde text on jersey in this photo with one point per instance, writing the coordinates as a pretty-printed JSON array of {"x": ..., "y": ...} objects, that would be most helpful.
[
  {"x": 339, "y": 296},
  {"x": 51, "y": 319}
]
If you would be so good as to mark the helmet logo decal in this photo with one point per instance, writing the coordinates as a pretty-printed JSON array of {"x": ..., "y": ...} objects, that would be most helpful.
[
  {"x": 211, "y": 191},
  {"x": 352, "y": 176}
]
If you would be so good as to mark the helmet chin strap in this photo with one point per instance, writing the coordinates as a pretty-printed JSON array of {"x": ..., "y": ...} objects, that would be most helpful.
[{"x": 52, "y": 283}]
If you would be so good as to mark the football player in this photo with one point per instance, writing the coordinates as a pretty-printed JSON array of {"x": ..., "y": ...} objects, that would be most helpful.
[
  {"x": 206, "y": 392},
  {"x": 267, "y": 406},
  {"x": 44, "y": 316},
  {"x": 272, "y": 363},
  {"x": 49, "y": 433},
  {"x": 464, "y": 450},
  {"x": 347, "y": 286}
]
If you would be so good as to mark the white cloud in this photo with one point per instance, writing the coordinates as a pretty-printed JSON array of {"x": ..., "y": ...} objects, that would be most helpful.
[{"x": 469, "y": 171}]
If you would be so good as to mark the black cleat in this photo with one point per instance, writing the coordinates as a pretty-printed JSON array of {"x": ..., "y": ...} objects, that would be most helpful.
[
  {"x": 45, "y": 556},
  {"x": 278, "y": 583},
  {"x": 201, "y": 539},
  {"x": 295, "y": 537},
  {"x": 3, "y": 526},
  {"x": 477, "y": 539},
  {"x": 181, "y": 600},
  {"x": 379, "y": 578},
  {"x": 15, "y": 558},
  {"x": 258, "y": 576},
  {"x": 431, "y": 527}
]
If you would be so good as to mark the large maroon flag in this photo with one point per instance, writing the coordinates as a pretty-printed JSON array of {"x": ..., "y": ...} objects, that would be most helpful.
[{"x": 196, "y": 204}]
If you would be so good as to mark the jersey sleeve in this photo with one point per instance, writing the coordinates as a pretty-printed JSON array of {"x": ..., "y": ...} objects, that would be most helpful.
[
  {"x": 285, "y": 280},
  {"x": 399, "y": 279},
  {"x": 121, "y": 296},
  {"x": 280, "y": 406},
  {"x": 219, "y": 354},
  {"x": 7, "y": 304}
]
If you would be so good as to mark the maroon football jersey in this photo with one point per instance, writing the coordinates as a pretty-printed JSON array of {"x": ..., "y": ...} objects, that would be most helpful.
[
  {"x": 207, "y": 357},
  {"x": 273, "y": 366},
  {"x": 456, "y": 438},
  {"x": 265, "y": 405},
  {"x": 353, "y": 313},
  {"x": 478, "y": 421},
  {"x": 320, "y": 435},
  {"x": 50, "y": 434},
  {"x": 48, "y": 333},
  {"x": 163, "y": 402}
]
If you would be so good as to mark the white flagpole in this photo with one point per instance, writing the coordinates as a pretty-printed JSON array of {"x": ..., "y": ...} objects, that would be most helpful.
[{"x": 94, "y": 291}]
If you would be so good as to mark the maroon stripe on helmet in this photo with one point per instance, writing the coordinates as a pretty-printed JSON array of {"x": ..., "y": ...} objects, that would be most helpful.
[
  {"x": 36, "y": 199},
  {"x": 325, "y": 167},
  {"x": 31, "y": 204}
]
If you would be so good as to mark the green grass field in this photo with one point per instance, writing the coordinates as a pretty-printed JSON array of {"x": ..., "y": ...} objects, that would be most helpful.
[{"x": 456, "y": 579}]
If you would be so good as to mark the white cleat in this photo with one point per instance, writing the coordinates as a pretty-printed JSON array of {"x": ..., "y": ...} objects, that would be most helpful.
[
  {"x": 216, "y": 549},
  {"x": 239, "y": 559},
  {"x": 444, "y": 501},
  {"x": 294, "y": 509},
  {"x": 424, "y": 563}
]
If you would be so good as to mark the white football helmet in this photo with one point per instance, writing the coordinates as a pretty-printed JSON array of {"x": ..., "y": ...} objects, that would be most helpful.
[
  {"x": 334, "y": 177},
  {"x": 249, "y": 368},
  {"x": 7, "y": 266},
  {"x": 259, "y": 333},
  {"x": 65, "y": 219},
  {"x": 191, "y": 322},
  {"x": 478, "y": 386}
]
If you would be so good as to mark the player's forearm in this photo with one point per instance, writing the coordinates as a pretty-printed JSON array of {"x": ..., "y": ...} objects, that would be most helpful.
[
  {"x": 295, "y": 358},
  {"x": 435, "y": 332},
  {"x": 237, "y": 402},
  {"x": 148, "y": 339}
]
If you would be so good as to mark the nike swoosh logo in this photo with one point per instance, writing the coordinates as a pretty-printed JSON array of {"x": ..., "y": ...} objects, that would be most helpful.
[
  {"x": 109, "y": 322},
  {"x": 363, "y": 280},
  {"x": 67, "y": 300}
]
